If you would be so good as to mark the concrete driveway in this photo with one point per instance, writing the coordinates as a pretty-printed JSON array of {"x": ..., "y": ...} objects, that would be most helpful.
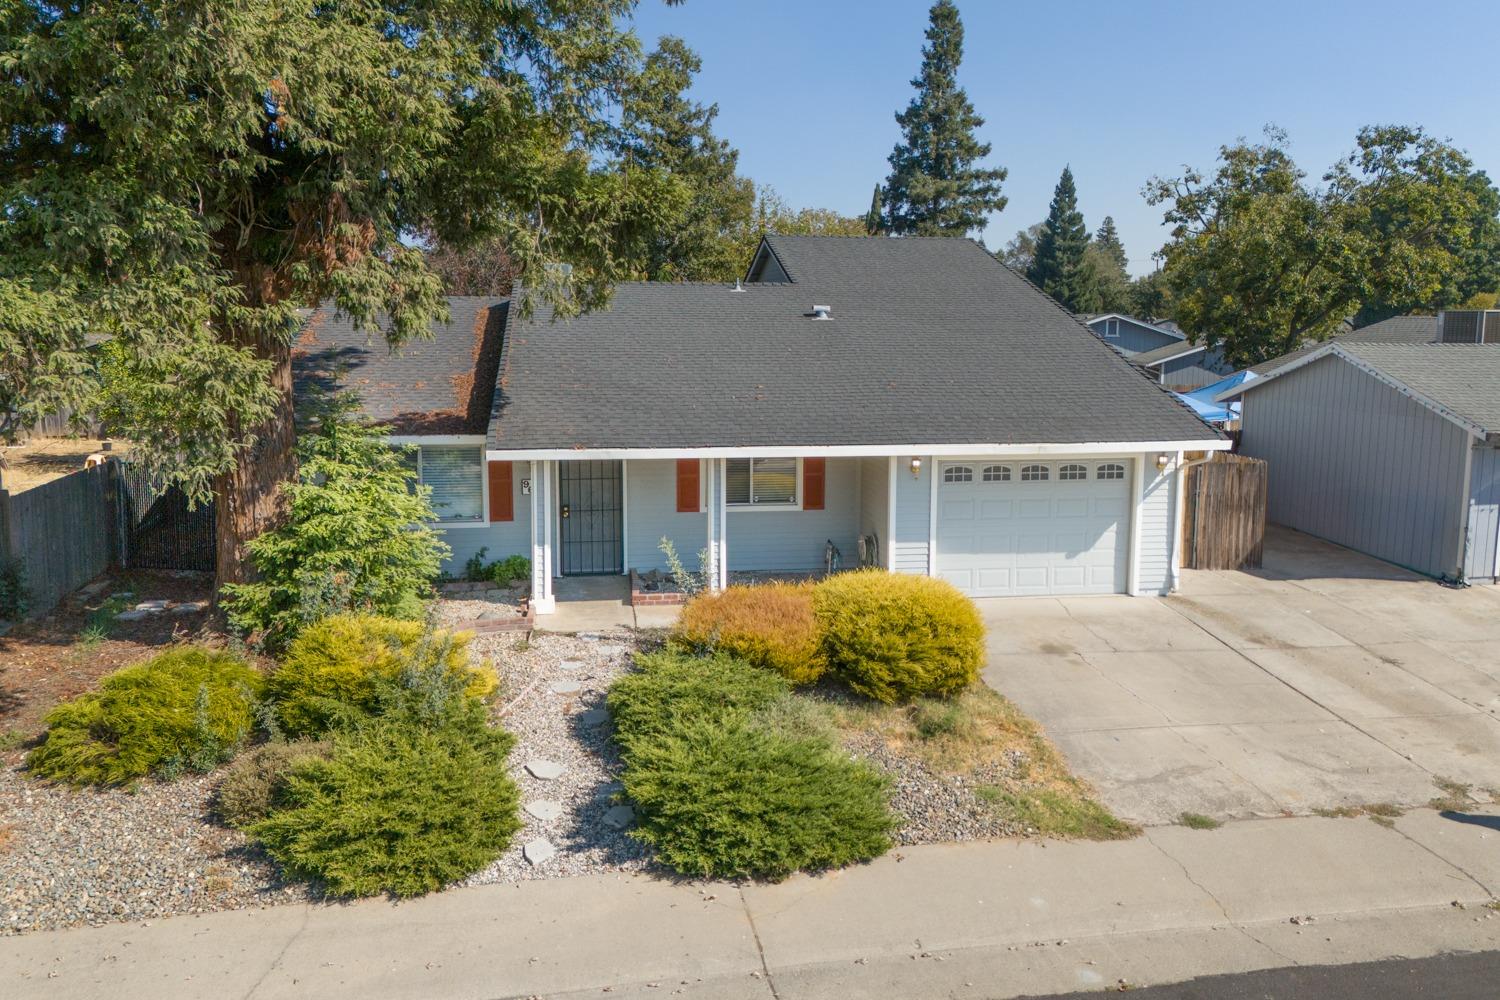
[{"x": 1325, "y": 679}]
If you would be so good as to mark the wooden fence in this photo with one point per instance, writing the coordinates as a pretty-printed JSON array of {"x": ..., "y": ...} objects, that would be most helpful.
[
  {"x": 63, "y": 533},
  {"x": 1224, "y": 526}
]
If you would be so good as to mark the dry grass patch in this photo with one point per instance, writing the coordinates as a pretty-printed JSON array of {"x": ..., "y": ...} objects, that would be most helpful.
[{"x": 980, "y": 733}]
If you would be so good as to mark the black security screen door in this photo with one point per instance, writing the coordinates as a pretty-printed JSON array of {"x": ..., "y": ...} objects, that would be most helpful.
[{"x": 589, "y": 517}]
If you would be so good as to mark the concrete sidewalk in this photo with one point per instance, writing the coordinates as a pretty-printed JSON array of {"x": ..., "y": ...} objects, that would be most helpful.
[{"x": 980, "y": 920}]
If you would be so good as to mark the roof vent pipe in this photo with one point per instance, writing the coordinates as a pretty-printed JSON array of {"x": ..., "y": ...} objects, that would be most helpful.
[
  {"x": 737, "y": 286},
  {"x": 822, "y": 312}
]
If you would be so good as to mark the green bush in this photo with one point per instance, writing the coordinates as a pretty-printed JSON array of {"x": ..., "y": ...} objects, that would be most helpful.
[
  {"x": 253, "y": 785},
  {"x": 671, "y": 689},
  {"x": 768, "y": 625},
  {"x": 894, "y": 637},
  {"x": 355, "y": 538},
  {"x": 400, "y": 807},
  {"x": 332, "y": 672},
  {"x": 186, "y": 709},
  {"x": 14, "y": 596},
  {"x": 510, "y": 568},
  {"x": 727, "y": 798}
]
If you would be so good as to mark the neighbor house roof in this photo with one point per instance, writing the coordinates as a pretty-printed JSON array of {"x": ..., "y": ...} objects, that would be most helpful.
[
  {"x": 931, "y": 341},
  {"x": 1459, "y": 381},
  {"x": 1396, "y": 330},
  {"x": 1165, "y": 353},
  {"x": 442, "y": 385},
  {"x": 1169, "y": 329}
]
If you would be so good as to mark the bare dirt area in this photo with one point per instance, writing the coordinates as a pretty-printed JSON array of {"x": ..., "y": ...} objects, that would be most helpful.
[
  {"x": 65, "y": 652},
  {"x": 42, "y": 460}
]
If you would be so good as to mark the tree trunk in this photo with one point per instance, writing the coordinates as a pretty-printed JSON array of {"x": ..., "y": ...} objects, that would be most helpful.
[{"x": 247, "y": 498}]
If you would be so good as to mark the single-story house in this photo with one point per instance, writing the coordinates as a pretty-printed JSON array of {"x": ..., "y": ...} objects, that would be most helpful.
[
  {"x": 1395, "y": 330},
  {"x": 1391, "y": 449},
  {"x": 911, "y": 402},
  {"x": 1130, "y": 335},
  {"x": 1184, "y": 366}
]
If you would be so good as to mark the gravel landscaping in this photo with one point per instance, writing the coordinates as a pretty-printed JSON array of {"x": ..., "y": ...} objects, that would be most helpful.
[
  {"x": 552, "y": 700},
  {"x": 69, "y": 858}
]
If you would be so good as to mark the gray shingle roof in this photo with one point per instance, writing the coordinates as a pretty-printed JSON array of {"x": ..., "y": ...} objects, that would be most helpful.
[
  {"x": 1396, "y": 330},
  {"x": 440, "y": 386},
  {"x": 1166, "y": 352},
  {"x": 932, "y": 341},
  {"x": 1463, "y": 378}
]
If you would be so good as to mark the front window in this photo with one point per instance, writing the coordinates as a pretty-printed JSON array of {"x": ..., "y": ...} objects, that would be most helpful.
[
  {"x": 456, "y": 475},
  {"x": 760, "y": 482}
]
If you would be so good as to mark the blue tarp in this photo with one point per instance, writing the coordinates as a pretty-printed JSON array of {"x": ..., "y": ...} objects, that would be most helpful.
[{"x": 1201, "y": 401}]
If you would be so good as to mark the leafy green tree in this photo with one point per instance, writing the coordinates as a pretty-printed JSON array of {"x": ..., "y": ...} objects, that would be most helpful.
[
  {"x": 355, "y": 536},
  {"x": 936, "y": 187},
  {"x": 1021, "y": 250},
  {"x": 668, "y": 134},
  {"x": 1428, "y": 222},
  {"x": 1149, "y": 298},
  {"x": 1105, "y": 256},
  {"x": 1260, "y": 262},
  {"x": 1061, "y": 266},
  {"x": 181, "y": 178},
  {"x": 773, "y": 215}
]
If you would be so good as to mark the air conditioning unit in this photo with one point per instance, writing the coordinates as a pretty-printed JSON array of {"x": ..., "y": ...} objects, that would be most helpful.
[{"x": 1469, "y": 326}]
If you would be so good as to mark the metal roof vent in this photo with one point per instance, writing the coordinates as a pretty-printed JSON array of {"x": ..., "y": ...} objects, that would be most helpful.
[
  {"x": 737, "y": 286},
  {"x": 822, "y": 312}
]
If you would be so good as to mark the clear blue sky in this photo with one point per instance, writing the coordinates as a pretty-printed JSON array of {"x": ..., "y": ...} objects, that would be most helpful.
[{"x": 1120, "y": 90}]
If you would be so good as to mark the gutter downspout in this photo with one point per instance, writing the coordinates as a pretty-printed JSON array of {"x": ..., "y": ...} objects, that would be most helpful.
[{"x": 1179, "y": 515}]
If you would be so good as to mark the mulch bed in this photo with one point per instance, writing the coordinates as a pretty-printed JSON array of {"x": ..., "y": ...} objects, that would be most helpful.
[{"x": 42, "y": 661}]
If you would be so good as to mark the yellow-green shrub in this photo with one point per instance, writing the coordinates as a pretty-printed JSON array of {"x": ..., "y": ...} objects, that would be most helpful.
[
  {"x": 894, "y": 637},
  {"x": 332, "y": 671},
  {"x": 768, "y": 625},
  {"x": 186, "y": 709}
]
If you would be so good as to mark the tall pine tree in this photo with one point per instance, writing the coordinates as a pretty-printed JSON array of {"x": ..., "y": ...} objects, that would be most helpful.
[
  {"x": 936, "y": 187},
  {"x": 874, "y": 224},
  {"x": 1061, "y": 267},
  {"x": 1108, "y": 240}
]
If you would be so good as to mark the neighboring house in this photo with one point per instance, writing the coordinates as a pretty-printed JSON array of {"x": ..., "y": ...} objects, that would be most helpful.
[
  {"x": 1131, "y": 336},
  {"x": 1184, "y": 366},
  {"x": 1396, "y": 330},
  {"x": 911, "y": 399},
  {"x": 1391, "y": 449}
]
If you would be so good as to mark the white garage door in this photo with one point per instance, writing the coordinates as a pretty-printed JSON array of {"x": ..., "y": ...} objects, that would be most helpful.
[{"x": 1016, "y": 528}]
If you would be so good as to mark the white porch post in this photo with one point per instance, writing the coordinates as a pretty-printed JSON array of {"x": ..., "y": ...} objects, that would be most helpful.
[
  {"x": 543, "y": 513},
  {"x": 714, "y": 510},
  {"x": 722, "y": 478}
]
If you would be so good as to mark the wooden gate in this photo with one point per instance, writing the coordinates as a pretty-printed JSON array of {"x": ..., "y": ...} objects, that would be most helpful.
[
  {"x": 161, "y": 529},
  {"x": 1224, "y": 523}
]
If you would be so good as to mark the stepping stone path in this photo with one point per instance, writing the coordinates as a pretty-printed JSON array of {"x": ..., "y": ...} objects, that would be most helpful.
[
  {"x": 594, "y": 717},
  {"x": 566, "y": 687},
  {"x": 544, "y": 809},
  {"x": 571, "y": 664},
  {"x": 132, "y": 616},
  {"x": 608, "y": 791},
  {"x": 619, "y": 817},
  {"x": 539, "y": 851},
  {"x": 611, "y": 650},
  {"x": 157, "y": 605},
  {"x": 190, "y": 608},
  {"x": 544, "y": 770}
]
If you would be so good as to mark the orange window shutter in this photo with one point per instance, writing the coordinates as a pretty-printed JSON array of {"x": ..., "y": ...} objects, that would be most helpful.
[
  {"x": 813, "y": 477},
  {"x": 502, "y": 497},
  {"x": 688, "y": 490}
]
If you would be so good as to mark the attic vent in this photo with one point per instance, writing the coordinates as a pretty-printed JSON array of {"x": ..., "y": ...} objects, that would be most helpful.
[{"x": 822, "y": 312}]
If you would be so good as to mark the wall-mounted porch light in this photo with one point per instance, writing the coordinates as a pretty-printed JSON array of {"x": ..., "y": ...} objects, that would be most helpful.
[
  {"x": 1162, "y": 460},
  {"x": 916, "y": 468}
]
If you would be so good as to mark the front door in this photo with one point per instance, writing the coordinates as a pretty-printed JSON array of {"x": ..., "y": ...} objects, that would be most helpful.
[{"x": 590, "y": 518}]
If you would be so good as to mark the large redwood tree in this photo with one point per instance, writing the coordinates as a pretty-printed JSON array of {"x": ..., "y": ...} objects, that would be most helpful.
[{"x": 178, "y": 178}]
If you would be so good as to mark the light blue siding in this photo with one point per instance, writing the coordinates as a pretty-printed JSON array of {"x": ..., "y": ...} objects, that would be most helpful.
[
  {"x": 651, "y": 515},
  {"x": 1134, "y": 338},
  {"x": 1484, "y": 515},
  {"x": 1156, "y": 527},
  {"x": 874, "y": 503},
  {"x": 795, "y": 540},
  {"x": 1354, "y": 461},
  {"x": 501, "y": 538},
  {"x": 913, "y": 516},
  {"x": 1195, "y": 371}
]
